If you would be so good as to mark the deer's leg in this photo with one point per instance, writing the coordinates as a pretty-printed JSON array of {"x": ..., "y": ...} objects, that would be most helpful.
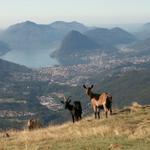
[
  {"x": 77, "y": 117},
  {"x": 110, "y": 110},
  {"x": 95, "y": 112},
  {"x": 98, "y": 112},
  {"x": 73, "y": 118},
  {"x": 106, "y": 110},
  {"x": 80, "y": 116},
  {"x": 106, "y": 114}
]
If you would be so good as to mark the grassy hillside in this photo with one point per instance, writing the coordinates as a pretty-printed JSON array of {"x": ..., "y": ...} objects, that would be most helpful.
[{"x": 127, "y": 129}]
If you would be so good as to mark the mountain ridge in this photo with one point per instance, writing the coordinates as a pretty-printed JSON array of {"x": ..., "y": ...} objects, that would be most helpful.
[
  {"x": 30, "y": 35},
  {"x": 111, "y": 37}
]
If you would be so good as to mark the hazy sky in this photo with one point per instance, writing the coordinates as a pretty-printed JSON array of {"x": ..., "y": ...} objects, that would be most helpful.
[{"x": 90, "y": 12}]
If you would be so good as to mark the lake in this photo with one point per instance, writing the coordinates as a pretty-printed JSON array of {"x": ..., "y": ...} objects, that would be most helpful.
[{"x": 34, "y": 59}]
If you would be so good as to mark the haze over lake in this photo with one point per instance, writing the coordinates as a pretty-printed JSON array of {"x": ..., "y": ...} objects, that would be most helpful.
[{"x": 32, "y": 59}]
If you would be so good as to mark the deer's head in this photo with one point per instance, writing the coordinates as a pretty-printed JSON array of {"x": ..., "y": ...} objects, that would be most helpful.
[
  {"x": 88, "y": 89},
  {"x": 66, "y": 102}
]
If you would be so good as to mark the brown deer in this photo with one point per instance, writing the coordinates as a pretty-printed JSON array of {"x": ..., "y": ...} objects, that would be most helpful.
[
  {"x": 99, "y": 101},
  {"x": 33, "y": 124}
]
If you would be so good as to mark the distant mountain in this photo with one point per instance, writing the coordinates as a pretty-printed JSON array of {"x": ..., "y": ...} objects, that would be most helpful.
[
  {"x": 101, "y": 39},
  {"x": 31, "y": 36},
  {"x": 143, "y": 32},
  {"x": 141, "y": 47},
  {"x": 69, "y": 26},
  {"x": 110, "y": 37},
  {"x": 76, "y": 43},
  {"x": 4, "y": 48}
]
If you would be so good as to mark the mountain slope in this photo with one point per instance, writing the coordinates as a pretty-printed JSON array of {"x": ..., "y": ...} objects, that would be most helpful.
[
  {"x": 141, "y": 47},
  {"x": 74, "y": 43},
  {"x": 8, "y": 68},
  {"x": 109, "y": 37},
  {"x": 29, "y": 35},
  {"x": 144, "y": 32},
  {"x": 12, "y": 67},
  {"x": 127, "y": 87},
  {"x": 18, "y": 96},
  {"x": 4, "y": 48}
]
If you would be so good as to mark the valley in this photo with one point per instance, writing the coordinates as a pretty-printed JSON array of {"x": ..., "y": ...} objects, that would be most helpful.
[
  {"x": 27, "y": 93},
  {"x": 35, "y": 78}
]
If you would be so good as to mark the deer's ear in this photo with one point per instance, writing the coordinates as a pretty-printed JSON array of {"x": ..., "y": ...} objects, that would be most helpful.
[
  {"x": 92, "y": 86},
  {"x": 62, "y": 102},
  {"x": 84, "y": 87}
]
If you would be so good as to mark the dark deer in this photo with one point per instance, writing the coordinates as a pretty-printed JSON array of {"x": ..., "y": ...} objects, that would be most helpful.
[
  {"x": 99, "y": 101},
  {"x": 75, "y": 109}
]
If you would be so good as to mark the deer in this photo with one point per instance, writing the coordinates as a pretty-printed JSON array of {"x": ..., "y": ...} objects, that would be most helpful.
[
  {"x": 33, "y": 124},
  {"x": 75, "y": 108},
  {"x": 99, "y": 101}
]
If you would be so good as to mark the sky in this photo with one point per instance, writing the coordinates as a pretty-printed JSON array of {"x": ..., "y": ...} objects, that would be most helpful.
[{"x": 89, "y": 12}]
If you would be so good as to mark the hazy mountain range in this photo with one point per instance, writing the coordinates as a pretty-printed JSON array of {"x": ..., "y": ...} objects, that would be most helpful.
[
  {"x": 110, "y": 37},
  {"x": 93, "y": 41},
  {"x": 29, "y": 35},
  {"x": 71, "y": 38}
]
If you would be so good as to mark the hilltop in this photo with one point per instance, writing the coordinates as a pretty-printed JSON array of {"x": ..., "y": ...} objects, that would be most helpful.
[
  {"x": 68, "y": 26},
  {"x": 75, "y": 42},
  {"x": 73, "y": 46},
  {"x": 127, "y": 129}
]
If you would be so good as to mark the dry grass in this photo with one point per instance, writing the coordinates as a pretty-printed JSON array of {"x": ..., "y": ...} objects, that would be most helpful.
[{"x": 124, "y": 130}]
